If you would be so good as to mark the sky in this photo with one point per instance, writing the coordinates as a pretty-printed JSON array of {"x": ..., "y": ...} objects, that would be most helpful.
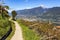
[{"x": 27, "y": 4}]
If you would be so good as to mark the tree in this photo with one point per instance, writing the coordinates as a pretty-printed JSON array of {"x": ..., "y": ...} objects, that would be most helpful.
[
  {"x": 14, "y": 14},
  {"x": 4, "y": 11}
]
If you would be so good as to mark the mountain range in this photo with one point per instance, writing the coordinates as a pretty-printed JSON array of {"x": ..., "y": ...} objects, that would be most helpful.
[
  {"x": 40, "y": 12},
  {"x": 32, "y": 12}
]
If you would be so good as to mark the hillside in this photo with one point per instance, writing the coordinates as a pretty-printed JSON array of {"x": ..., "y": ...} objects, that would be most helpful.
[
  {"x": 4, "y": 26},
  {"x": 44, "y": 30},
  {"x": 52, "y": 14},
  {"x": 31, "y": 12}
]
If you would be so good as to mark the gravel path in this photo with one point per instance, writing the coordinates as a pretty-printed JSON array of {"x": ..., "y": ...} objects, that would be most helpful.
[{"x": 18, "y": 32}]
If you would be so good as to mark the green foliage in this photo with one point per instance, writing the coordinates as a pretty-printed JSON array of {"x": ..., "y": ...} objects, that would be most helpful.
[
  {"x": 7, "y": 7},
  {"x": 14, "y": 14},
  {"x": 4, "y": 26},
  {"x": 3, "y": 11}
]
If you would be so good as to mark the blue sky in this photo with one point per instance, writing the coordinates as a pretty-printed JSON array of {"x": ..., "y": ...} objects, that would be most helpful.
[{"x": 26, "y": 4}]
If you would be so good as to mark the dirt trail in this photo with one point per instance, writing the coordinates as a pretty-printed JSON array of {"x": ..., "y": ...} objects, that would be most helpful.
[{"x": 18, "y": 32}]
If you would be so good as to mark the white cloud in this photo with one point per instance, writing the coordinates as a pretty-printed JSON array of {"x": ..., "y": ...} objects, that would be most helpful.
[{"x": 43, "y": 6}]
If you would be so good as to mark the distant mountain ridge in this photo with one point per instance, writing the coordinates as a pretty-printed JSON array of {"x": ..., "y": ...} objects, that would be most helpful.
[
  {"x": 53, "y": 14},
  {"x": 40, "y": 12},
  {"x": 32, "y": 12}
]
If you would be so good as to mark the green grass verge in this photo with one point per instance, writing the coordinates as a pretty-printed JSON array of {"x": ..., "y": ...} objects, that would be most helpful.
[
  {"x": 12, "y": 33},
  {"x": 28, "y": 34}
]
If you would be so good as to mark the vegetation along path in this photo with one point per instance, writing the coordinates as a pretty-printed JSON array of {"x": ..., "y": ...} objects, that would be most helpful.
[{"x": 18, "y": 32}]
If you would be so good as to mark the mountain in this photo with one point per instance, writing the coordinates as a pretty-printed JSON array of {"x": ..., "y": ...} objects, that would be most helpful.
[
  {"x": 32, "y": 12},
  {"x": 52, "y": 14}
]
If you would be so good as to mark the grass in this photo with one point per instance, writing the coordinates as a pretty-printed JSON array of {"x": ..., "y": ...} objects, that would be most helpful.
[
  {"x": 28, "y": 34},
  {"x": 13, "y": 31},
  {"x": 4, "y": 26}
]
